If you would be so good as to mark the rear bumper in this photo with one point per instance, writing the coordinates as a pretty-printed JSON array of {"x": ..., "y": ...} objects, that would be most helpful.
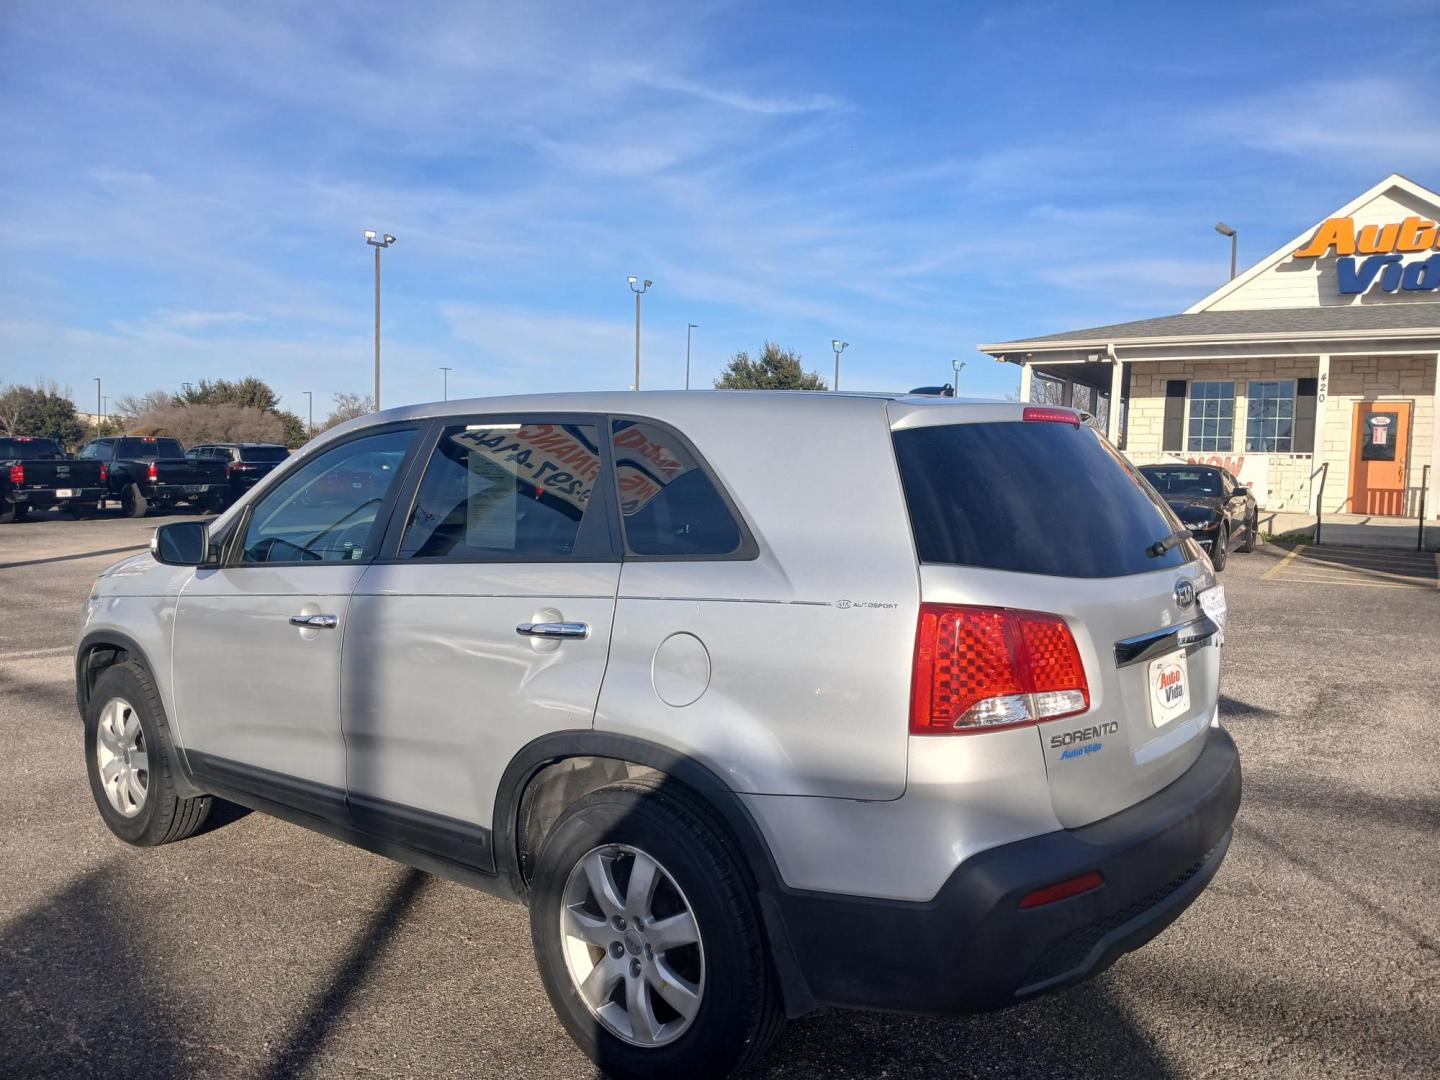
[
  {"x": 52, "y": 496},
  {"x": 972, "y": 948},
  {"x": 177, "y": 493}
]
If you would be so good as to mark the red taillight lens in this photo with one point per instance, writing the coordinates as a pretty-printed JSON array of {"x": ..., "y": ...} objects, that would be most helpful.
[
  {"x": 104, "y": 472},
  {"x": 17, "y": 474},
  {"x": 152, "y": 473},
  {"x": 979, "y": 669},
  {"x": 1063, "y": 890},
  {"x": 1054, "y": 416}
]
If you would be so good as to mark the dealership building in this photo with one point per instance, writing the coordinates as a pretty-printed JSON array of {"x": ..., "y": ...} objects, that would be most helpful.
[{"x": 1312, "y": 375}]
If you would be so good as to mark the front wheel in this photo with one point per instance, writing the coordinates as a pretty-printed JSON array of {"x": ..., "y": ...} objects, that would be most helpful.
[
  {"x": 1252, "y": 533},
  {"x": 648, "y": 939},
  {"x": 1219, "y": 548}
]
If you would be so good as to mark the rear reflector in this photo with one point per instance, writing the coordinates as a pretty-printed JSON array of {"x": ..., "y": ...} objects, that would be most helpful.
[
  {"x": 1056, "y": 416},
  {"x": 1063, "y": 890},
  {"x": 980, "y": 669}
]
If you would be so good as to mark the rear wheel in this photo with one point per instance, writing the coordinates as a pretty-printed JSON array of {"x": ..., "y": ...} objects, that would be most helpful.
[
  {"x": 648, "y": 939},
  {"x": 19, "y": 511},
  {"x": 1219, "y": 548},
  {"x": 132, "y": 501},
  {"x": 131, "y": 762},
  {"x": 1252, "y": 533}
]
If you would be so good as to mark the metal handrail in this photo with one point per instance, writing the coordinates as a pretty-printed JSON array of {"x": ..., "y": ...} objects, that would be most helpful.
[
  {"x": 1321, "y": 472},
  {"x": 1424, "y": 487}
]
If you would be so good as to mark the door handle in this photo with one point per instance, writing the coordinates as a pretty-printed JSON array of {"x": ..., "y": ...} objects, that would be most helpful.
[
  {"x": 314, "y": 622},
  {"x": 554, "y": 629}
]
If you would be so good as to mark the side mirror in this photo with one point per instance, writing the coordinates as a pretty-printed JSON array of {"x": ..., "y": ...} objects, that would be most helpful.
[
  {"x": 1240, "y": 492},
  {"x": 181, "y": 543}
]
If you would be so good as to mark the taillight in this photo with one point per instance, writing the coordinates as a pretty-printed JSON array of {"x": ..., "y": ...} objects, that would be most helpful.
[
  {"x": 17, "y": 474},
  {"x": 104, "y": 472},
  {"x": 1054, "y": 416},
  {"x": 979, "y": 669},
  {"x": 153, "y": 472}
]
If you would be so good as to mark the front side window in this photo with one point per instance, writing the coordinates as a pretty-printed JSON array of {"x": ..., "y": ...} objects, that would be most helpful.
[
  {"x": 668, "y": 504},
  {"x": 325, "y": 511},
  {"x": 508, "y": 492},
  {"x": 1212, "y": 417},
  {"x": 1269, "y": 416}
]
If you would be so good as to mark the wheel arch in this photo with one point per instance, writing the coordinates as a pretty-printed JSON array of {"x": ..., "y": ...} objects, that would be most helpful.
[{"x": 557, "y": 748}]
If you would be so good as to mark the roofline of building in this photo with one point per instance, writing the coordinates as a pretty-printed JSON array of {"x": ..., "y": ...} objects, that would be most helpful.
[{"x": 1000, "y": 349}]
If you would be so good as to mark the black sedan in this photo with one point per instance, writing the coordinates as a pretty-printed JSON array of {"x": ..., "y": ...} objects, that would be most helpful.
[{"x": 1218, "y": 510}]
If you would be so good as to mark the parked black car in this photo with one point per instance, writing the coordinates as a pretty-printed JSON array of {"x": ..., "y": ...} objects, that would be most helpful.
[
  {"x": 245, "y": 462},
  {"x": 146, "y": 471},
  {"x": 1219, "y": 511},
  {"x": 36, "y": 474}
]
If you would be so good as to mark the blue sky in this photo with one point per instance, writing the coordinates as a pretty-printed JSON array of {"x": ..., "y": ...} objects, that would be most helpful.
[{"x": 183, "y": 188}]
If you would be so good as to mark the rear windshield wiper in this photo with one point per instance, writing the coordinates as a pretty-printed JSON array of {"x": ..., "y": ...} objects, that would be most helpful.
[{"x": 1160, "y": 547}]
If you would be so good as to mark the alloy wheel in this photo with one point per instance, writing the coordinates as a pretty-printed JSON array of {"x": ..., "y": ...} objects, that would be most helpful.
[
  {"x": 122, "y": 757},
  {"x": 632, "y": 945}
]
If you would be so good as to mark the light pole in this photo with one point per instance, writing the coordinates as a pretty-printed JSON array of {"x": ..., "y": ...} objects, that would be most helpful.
[
  {"x": 688, "y": 328},
  {"x": 99, "y": 407},
  {"x": 445, "y": 383},
  {"x": 382, "y": 242},
  {"x": 104, "y": 407},
  {"x": 310, "y": 401},
  {"x": 1226, "y": 230},
  {"x": 638, "y": 293},
  {"x": 839, "y": 347},
  {"x": 957, "y": 366}
]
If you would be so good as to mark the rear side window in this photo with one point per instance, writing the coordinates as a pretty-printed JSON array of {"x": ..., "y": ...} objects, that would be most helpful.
[
  {"x": 508, "y": 491},
  {"x": 262, "y": 453},
  {"x": 1031, "y": 497},
  {"x": 669, "y": 506}
]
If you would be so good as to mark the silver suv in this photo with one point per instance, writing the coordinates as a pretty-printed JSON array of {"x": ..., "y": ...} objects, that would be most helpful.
[{"x": 760, "y": 701}]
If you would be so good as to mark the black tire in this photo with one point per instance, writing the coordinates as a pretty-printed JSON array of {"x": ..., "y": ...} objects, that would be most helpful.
[
  {"x": 163, "y": 816},
  {"x": 1220, "y": 548},
  {"x": 132, "y": 501},
  {"x": 20, "y": 512},
  {"x": 7, "y": 511},
  {"x": 213, "y": 506},
  {"x": 1252, "y": 533},
  {"x": 740, "y": 1013}
]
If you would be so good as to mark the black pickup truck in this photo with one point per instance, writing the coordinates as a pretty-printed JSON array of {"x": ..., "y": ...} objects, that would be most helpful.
[
  {"x": 153, "y": 471},
  {"x": 35, "y": 474}
]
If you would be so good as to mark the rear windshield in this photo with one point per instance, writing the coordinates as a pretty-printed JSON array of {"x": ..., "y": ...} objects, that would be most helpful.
[
  {"x": 1169, "y": 481},
  {"x": 1033, "y": 497},
  {"x": 263, "y": 453},
  {"x": 28, "y": 449},
  {"x": 139, "y": 449}
]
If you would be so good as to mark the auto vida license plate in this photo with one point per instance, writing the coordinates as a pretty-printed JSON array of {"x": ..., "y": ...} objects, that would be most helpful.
[{"x": 1169, "y": 677}]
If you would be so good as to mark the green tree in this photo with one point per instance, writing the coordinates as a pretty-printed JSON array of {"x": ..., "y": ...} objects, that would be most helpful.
[
  {"x": 43, "y": 411},
  {"x": 295, "y": 431},
  {"x": 248, "y": 393},
  {"x": 774, "y": 369}
]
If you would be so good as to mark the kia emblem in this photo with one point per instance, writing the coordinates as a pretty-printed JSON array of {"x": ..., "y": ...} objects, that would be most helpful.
[{"x": 1184, "y": 592}]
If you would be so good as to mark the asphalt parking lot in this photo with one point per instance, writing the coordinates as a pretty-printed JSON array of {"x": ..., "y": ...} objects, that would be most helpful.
[{"x": 258, "y": 949}]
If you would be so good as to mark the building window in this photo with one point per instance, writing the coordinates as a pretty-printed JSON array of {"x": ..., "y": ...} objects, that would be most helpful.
[
  {"x": 1046, "y": 389},
  {"x": 1269, "y": 416},
  {"x": 1212, "y": 417}
]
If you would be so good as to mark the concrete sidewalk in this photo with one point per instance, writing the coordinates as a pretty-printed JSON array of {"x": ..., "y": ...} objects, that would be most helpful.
[{"x": 1354, "y": 530}]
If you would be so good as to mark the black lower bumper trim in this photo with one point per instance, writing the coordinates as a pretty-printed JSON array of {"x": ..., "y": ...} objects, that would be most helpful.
[{"x": 972, "y": 948}]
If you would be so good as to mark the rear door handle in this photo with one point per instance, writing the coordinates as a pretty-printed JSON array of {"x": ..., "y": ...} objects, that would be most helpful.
[
  {"x": 554, "y": 629},
  {"x": 315, "y": 622}
]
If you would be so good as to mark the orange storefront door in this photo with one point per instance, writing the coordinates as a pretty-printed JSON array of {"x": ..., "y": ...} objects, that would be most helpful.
[{"x": 1379, "y": 453}]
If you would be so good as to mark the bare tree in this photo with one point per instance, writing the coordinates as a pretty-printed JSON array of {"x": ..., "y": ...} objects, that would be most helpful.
[
  {"x": 348, "y": 407},
  {"x": 211, "y": 423}
]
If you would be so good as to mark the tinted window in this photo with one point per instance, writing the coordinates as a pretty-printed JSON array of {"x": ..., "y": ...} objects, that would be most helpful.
[
  {"x": 668, "y": 504},
  {"x": 1032, "y": 497},
  {"x": 95, "y": 451},
  {"x": 1181, "y": 481},
  {"x": 506, "y": 491},
  {"x": 28, "y": 449},
  {"x": 262, "y": 453},
  {"x": 325, "y": 510},
  {"x": 139, "y": 449}
]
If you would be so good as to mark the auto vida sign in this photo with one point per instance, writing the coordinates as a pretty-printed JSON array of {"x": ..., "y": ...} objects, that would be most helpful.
[{"x": 1397, "y": 257}]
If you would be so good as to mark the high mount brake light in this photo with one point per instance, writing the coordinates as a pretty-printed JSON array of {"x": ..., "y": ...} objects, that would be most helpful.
[
  {"x": 1054, "y": 416},
  {"x": 980, "y": 669}
]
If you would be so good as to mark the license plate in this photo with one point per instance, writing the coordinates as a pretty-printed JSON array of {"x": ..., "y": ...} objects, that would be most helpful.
[
  {"x": 65, "y": 493},
  {"x": 1169, "y": 688},
  {"x": 196, "y": 489}
]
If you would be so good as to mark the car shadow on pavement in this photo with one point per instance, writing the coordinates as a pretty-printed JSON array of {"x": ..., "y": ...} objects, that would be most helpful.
[
  {"x": 310, "y": 1033},
  {"x": 79, "y": 992},
  {"x": 1084, "y": 1032}
]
